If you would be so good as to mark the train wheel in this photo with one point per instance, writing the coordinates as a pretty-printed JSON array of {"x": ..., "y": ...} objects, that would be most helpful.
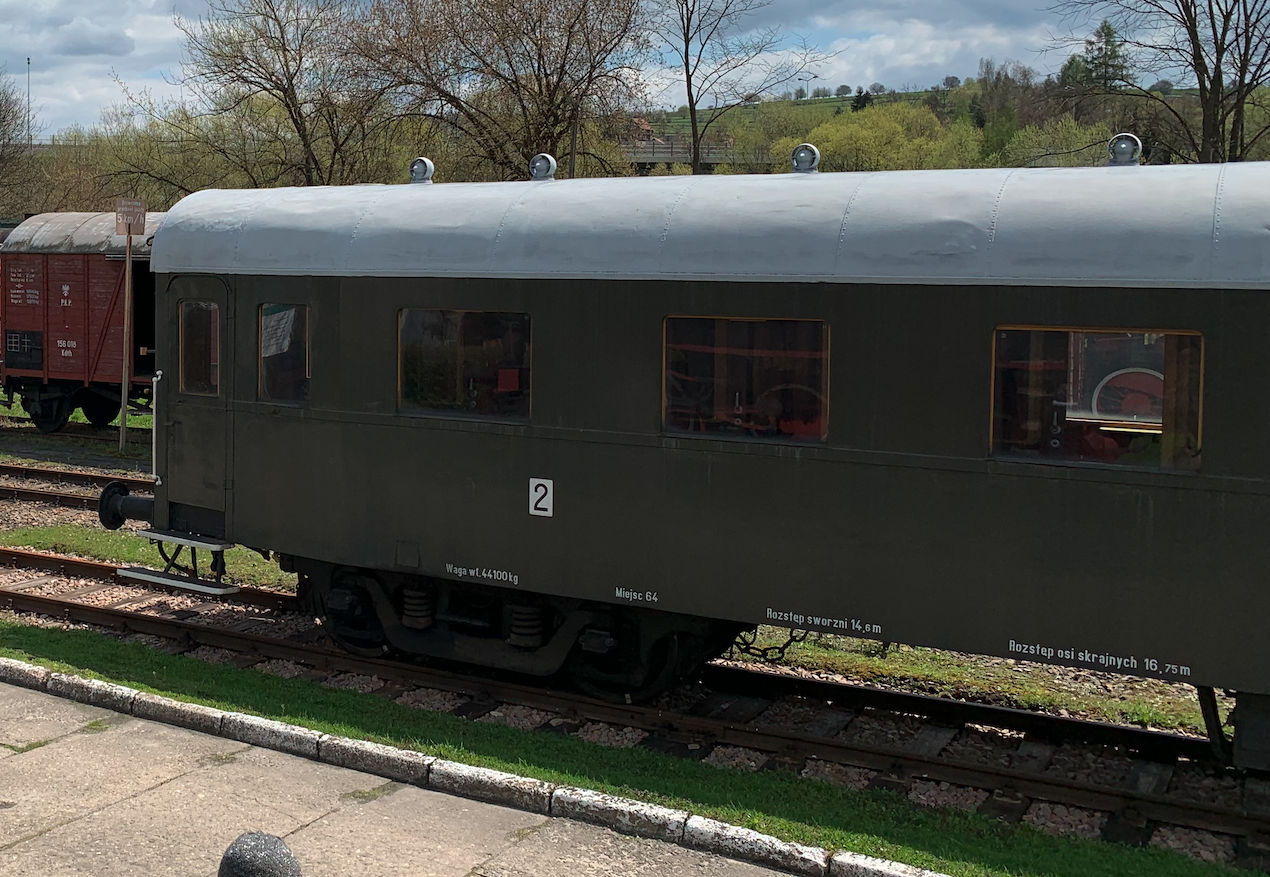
[
  {"x": 99, "y": 410},
  {"x": 350, "y": 619},
  {"x": 661, "y": 673},
  {"x": 50, "y": 413}
]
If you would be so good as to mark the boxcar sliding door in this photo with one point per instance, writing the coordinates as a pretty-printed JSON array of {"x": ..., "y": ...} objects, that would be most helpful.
[{"x": 197, "y": 392}]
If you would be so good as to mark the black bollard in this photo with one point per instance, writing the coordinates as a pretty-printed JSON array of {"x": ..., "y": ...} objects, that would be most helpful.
[{"x": 256, "y": 854}]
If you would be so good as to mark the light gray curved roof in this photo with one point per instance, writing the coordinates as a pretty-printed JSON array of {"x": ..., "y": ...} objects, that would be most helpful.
[
  {"x": 50, "y": 233},
  {"x": 1177, "y": 226}
]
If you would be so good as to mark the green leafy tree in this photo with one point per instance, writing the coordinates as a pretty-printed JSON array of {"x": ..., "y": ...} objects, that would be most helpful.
[
  {"x": 998, "y": 132},
  {"x": 1106, "y": 61},
  {"x": 751, "y": 135},
  {"x": 892, "y": 136},
  {"x": 842, "y": 91},
  {"x": 1219, "y": 50},
  {"x": 861, "y": 100},
  {"x": 1060, "y": 142},
  {"x": 1075, "y": 72}
]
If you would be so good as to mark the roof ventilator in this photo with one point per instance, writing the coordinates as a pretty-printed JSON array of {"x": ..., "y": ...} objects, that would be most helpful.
[
  {"x": 806, "y": 159},
  {"x": 542, "y": 167},
  {"x": 1123, "y": 150},
  {"x": 421, "y": 170}
]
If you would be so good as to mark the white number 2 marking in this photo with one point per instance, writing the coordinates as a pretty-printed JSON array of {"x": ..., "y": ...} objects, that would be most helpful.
[{"x": 542, "y": 495}]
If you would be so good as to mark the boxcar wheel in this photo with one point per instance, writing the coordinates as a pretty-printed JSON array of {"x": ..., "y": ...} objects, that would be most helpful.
[
  {"x": 99, "y": 410},
  {"x": 49, "y": 414}
]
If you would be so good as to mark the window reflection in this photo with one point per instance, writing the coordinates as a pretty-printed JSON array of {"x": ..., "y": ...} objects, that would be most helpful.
[
  {"x": 470, "y": 362},
  {"x": 756, "y": 378},
  {"x": 1100, "y": 396},
  {"x": 284, "y": 353}
]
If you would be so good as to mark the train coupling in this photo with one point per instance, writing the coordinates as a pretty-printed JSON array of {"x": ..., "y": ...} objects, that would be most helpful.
[{"x": 116, "y": 506}]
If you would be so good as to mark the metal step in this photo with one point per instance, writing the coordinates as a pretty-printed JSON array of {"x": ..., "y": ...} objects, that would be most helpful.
[
  {"x": 203, "y": 543},
  {"x": 183, "y": 582}
]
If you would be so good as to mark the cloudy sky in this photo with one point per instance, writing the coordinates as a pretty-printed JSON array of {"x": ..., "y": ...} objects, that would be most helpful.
[{"x": 78, "y": 48}]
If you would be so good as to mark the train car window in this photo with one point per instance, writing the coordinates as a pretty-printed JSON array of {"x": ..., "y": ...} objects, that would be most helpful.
[
  {"x": 469, "y": 362},
  {"x": 284, "y": 353},
  {"x": 756, "y": 378},
  {"x": 1131, "y": 398},
  {"x": 200, "y": 348}
]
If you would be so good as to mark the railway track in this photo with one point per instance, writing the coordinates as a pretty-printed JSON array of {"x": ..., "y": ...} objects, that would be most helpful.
[
  {"x": 741, "y": 708},
  {"x": 11, "y": 473}
]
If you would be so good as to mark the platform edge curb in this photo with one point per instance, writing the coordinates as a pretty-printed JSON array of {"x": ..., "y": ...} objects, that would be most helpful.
[
  {"x": 846, "y": 864},
  {"x": 622, "y": 815},
  {"x": 269, "y": 734},
  {"x": 195, "y": 717},
  {"x": 389, "y": 762},
  {"x": 491, "y": 786},
  {"x": 92, "y": 691},
  {"x": 751, "y": 846},
  {"x": 24, "y": 675}
]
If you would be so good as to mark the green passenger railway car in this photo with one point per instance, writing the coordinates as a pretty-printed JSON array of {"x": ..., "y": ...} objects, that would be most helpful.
[{"x": 598, "y": 427}]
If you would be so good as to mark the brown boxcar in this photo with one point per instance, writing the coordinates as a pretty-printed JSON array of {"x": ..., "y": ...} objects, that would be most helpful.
[{"x": 62, "y": 315}]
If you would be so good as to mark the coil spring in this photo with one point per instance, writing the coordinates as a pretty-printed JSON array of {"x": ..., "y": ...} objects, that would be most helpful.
[
  {"x": 528, "y": 626},
  {"x": 419, "y": 608}
]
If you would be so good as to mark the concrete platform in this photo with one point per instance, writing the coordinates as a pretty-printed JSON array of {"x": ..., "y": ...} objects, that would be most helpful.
[{"x": 86, "y": 791}]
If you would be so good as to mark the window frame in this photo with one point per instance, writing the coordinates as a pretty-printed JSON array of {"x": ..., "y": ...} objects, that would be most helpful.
[
  {"x": 827, "y": 331},
  {"x": 458, "y": 414},
  {"x": 180, "y": 353},
  {"x": 996, "y": 456},
  {"x": 260, "y": 352}
]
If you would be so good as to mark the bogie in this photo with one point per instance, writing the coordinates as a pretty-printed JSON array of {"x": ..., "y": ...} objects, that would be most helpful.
[{"x": 613, "y": 652}]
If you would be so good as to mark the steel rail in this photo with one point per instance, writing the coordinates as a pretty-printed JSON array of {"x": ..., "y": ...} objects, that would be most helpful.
[
  {"x": 898, "y": 762},
  {"x": 74, "y": 476},
  {"x": 1149, "y": 744},
  {"x": 95, "y": 569},
  {"x": 51, "y": 497}
]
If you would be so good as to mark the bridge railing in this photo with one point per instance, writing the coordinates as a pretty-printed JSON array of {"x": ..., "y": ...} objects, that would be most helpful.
[{"x": 652, "y": 152}]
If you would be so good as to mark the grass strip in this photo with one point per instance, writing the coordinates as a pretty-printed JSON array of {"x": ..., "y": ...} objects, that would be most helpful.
[
  {"x": 1148, "y": 703},
  {"x": 775, "y": 802},
  {"x": 242, "y": 566},
  {"x": 28, "y": 445}
]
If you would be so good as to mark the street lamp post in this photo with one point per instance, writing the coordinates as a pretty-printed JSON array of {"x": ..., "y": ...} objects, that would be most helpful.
[{"x": 807, "y": 79}]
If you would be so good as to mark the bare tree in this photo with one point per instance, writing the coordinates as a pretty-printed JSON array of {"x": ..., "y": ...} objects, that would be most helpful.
[
  {"x": 271, "y": 95},
  {"x": 13, "y": 126},
  {"x": 1221, "y": 48},
  {"x": 16, "y": 158},
  {"x": 512, "y": 78},
  {"x": 723, "y": 60}
]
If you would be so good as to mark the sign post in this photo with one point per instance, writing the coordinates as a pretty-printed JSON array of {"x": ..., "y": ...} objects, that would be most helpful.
[{"x": 130, "y": 219}]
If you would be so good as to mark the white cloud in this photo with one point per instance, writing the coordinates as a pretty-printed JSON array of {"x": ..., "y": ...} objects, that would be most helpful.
[
  {"x": 920, "y": 53},
  {"x": 83, "y": 38},
  {"x": 76, "y": 47}
]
